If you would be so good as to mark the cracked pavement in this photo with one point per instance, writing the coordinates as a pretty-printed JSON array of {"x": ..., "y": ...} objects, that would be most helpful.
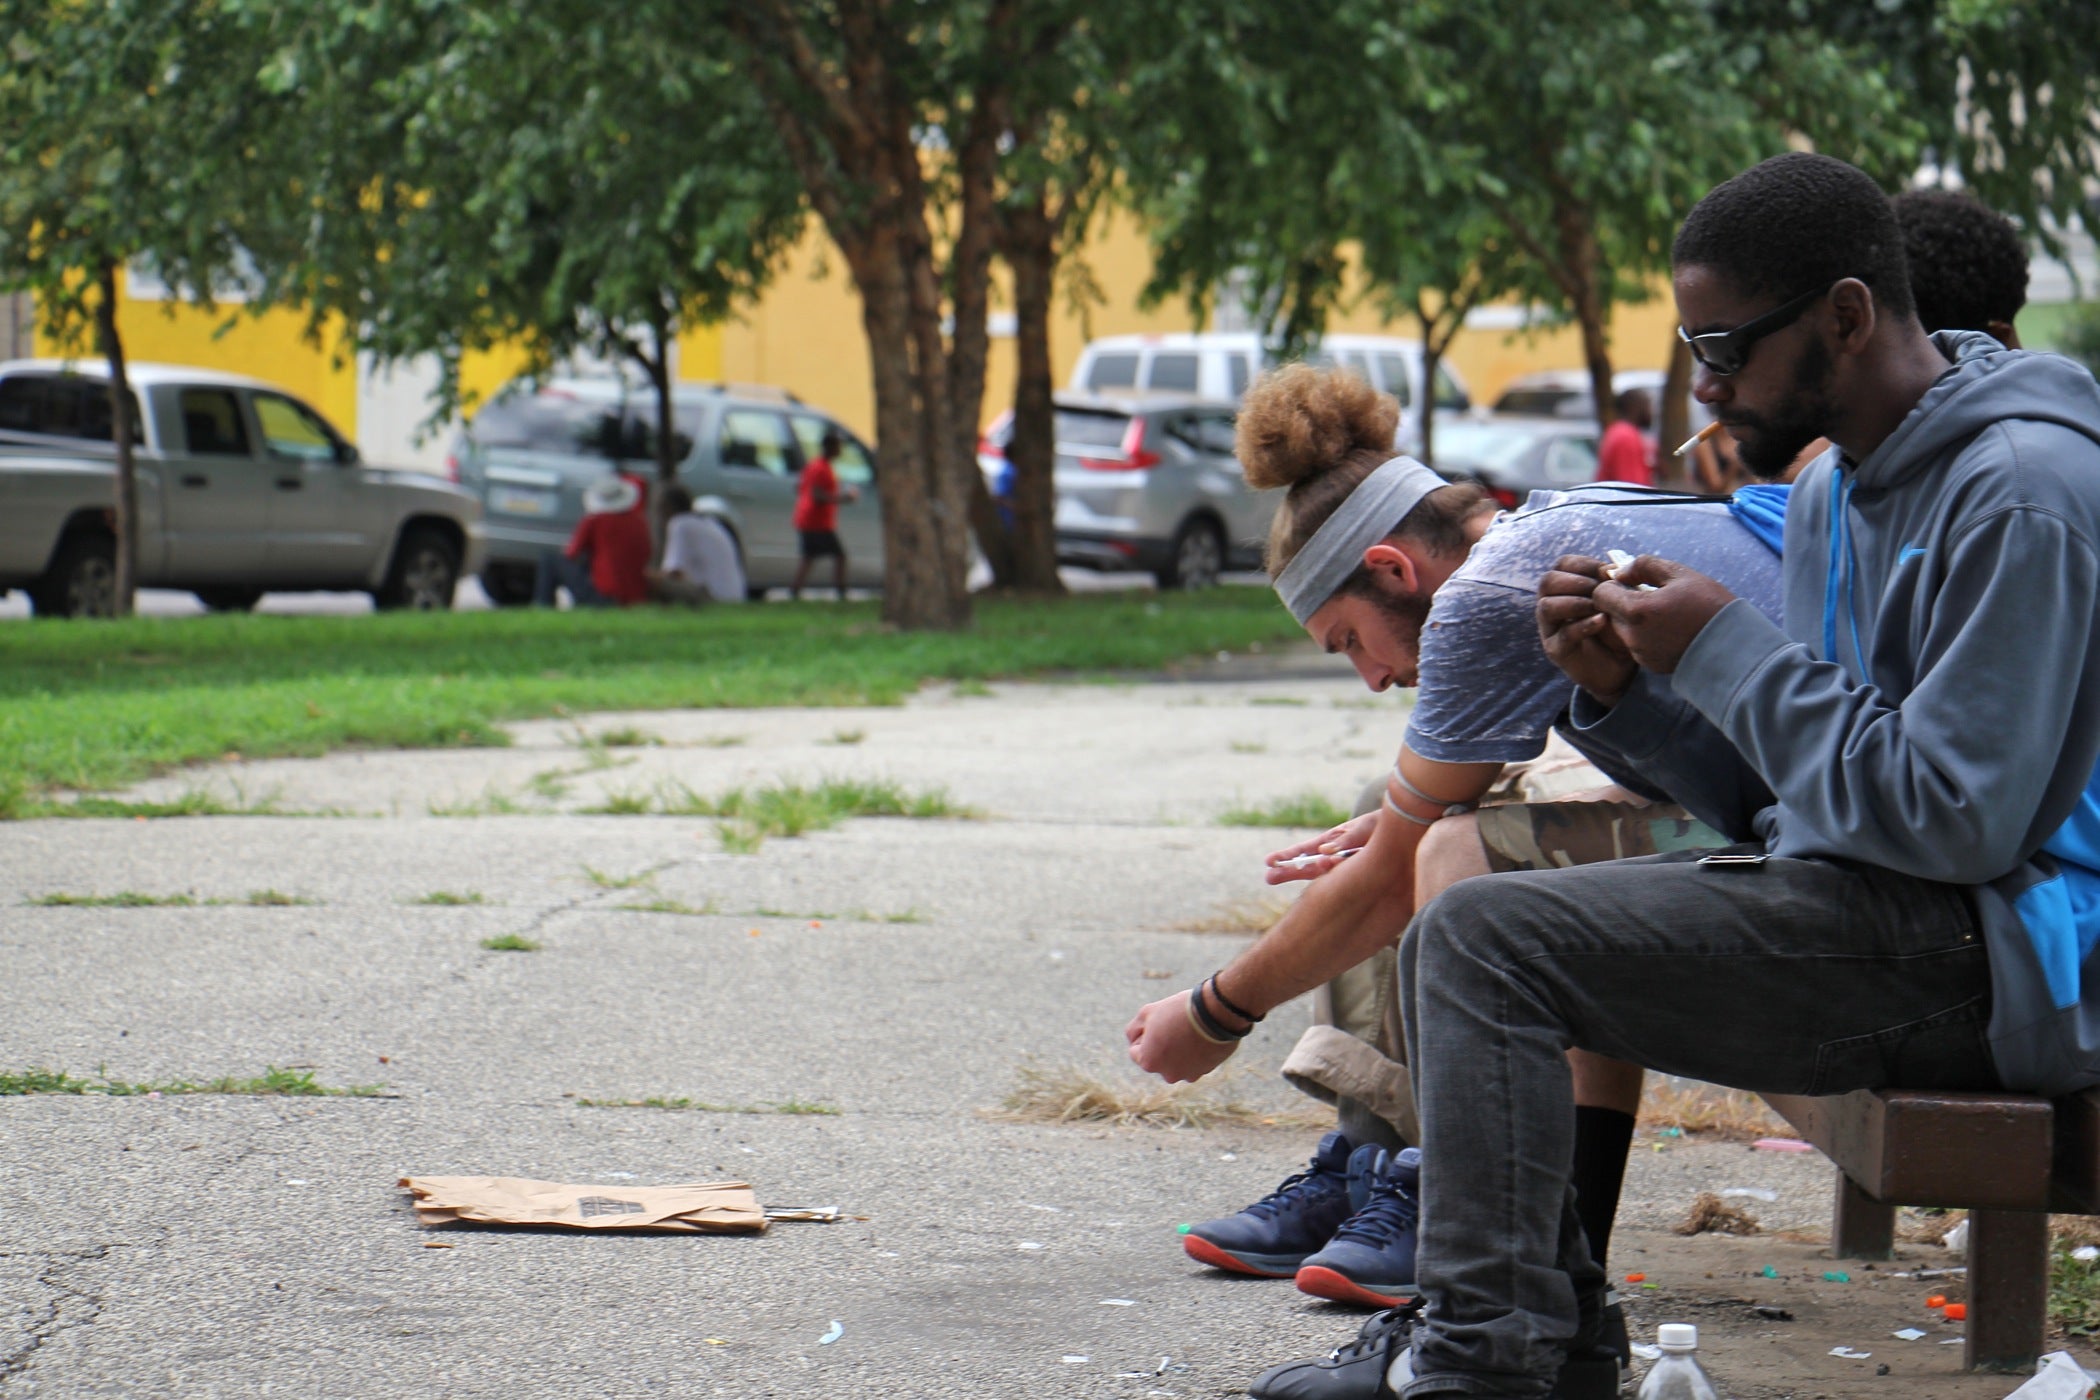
[{"x": 901, "y": 972}]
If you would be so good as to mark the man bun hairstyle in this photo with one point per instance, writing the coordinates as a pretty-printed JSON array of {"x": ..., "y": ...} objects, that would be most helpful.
[
  {"x": 1319, "y": 433},
  {"x": 1968, "y": 266},
  {"x": 1795, "y": 224}
]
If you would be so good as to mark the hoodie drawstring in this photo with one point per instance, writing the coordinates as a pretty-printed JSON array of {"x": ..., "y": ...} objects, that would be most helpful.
[{"x": 1840, "y": 565}]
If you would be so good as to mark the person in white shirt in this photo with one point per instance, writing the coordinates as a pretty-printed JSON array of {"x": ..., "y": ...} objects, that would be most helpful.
[{"x": 701, "y": 562}]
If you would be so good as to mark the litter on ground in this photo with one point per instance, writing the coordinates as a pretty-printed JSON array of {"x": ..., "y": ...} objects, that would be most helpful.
[
  {"x": 838, "y": 1330},
  {"x": 1849, "y": 1354}
]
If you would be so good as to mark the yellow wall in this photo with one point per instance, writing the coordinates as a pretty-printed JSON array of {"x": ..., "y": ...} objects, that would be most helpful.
[
  {"x": 271, "y": 345},
  {"x": 805, "y": 335}
]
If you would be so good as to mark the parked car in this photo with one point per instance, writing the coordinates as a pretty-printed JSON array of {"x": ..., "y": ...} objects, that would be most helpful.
[
  {"x": 242, "y": 490},
  {"x": 530, "y": 453},
  {"x": 1513, "y": 457},
  {"x": 1148, "y": 482},
  {"x": 1565, "y": 393},
  {"x": 1221, "y": 364}
]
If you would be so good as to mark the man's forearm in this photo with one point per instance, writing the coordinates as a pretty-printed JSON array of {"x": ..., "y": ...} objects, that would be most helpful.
[{"x": 1344, "y": 917}]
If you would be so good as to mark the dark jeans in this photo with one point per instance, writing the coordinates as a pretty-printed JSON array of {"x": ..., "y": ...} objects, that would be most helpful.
[
  {"x": 557, "y": 570},
  {"x": 1800, "y": 977}
]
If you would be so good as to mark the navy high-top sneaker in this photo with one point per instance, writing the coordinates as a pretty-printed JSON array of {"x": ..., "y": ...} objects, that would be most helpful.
[
  {"x": 1272, "y": 1237},
  {"x": 1371, "y": 1260}
]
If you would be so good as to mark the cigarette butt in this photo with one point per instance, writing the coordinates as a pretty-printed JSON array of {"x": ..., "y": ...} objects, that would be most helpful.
[{"x": 1696, "y": 438}]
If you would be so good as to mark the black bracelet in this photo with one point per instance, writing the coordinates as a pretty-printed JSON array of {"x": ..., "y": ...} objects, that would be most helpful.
[
  {"x": 1227, "y": 1002},
  {"x": 1209, "y": 1021}
]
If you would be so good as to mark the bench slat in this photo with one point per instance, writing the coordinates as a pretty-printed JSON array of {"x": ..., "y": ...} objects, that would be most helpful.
[{"x": 1925, "y": 1148}]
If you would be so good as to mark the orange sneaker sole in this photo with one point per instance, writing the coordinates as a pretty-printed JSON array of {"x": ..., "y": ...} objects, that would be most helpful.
[
  {"x": 1326, "y": 1283},
  {"x": 1204, "y": 1252}
]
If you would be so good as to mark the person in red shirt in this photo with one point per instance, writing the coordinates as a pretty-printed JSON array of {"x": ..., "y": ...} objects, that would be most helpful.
[
  {"x": 607, "y": 559},
  {"x": 817, "y": 515},
  {"x": 1625, "y": 454}
]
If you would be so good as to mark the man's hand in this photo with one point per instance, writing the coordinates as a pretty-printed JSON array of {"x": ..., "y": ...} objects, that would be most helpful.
[
  {"x": 1577, "y": 635},
  {"x": 1657, "y": 625},
  {"x": 1350, "y": 834},
  {"x": 1163, "y": 1042}
]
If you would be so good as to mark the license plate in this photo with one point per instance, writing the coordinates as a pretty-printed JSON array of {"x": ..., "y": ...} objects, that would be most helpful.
[{"x": 504, "y": 500}]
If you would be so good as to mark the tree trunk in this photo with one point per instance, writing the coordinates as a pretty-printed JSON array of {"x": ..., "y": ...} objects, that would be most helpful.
[
  {"x": 1432, "y": 356},
  {"x": 1582, "y": 275},
  {"x": 666, "y": 425},
  {"x": 916, "y": 588},
  {"x": 1031, "y": 251},
  {"x": 1674, "y": 416},
  {"x": 121, "y": 429}
]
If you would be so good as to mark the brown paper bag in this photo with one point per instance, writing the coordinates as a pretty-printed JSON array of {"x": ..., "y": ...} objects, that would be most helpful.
[{"x": 713, "y": 1207}]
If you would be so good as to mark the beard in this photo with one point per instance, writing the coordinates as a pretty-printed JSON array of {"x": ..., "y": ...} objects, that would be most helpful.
[
  {"x": 1405, "y": 614},
  {"x": 1769, "y": 443}
]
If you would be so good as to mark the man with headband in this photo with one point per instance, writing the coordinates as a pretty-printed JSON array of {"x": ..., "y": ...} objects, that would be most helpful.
[{"x": 1412, "y": 577}]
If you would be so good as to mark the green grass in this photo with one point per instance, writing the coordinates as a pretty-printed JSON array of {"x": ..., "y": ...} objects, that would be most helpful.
[
  {"x": 90, "y": 706},
  {"x": 1307, "y": 809},
  {"x": 126, "y": 899},
  {"x": 451, "y": 898},
  {"x": 606, "y": 881},
  {"x": 796, "y": 1107},
  {"x": 786, "y": 809},
  {"x": 668, "y": 906},
  {"x": 738, "y": 839},
  {"x": 273, "y": 1082},
  {"x": 2074, "y": 1291},
  {"x": 846, "y": 737},
  {"x": 625, "y": 736},
  {"x": 510, "y": 943},
  {"x": 851, "y": 916}
]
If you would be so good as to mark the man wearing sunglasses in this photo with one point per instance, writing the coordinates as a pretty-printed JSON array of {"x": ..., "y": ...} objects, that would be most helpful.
[{"x": 1908, "y": 767}]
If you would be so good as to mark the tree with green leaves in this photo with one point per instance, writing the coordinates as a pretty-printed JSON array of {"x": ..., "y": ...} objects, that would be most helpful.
[
  {"x": 553, "y": 177},
  {"x": 1560, "y": 140},
  {"x": 895, "y": 121},
  {"x": 136, "y": 130}
]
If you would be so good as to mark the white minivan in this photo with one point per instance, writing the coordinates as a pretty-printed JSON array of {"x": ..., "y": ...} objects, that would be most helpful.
[{"x": 1221, "y": 364}]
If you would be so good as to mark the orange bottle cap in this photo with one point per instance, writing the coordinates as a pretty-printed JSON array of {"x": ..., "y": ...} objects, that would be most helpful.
[
  {"x": 1957, "y": 1312},
  {"x": 1937, "y": 1300}
]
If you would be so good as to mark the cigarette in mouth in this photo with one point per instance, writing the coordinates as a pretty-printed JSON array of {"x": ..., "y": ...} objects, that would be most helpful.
[{"x": 1696, "y": 438}]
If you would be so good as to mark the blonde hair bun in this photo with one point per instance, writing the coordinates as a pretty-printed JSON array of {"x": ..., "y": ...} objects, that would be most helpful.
[{"x": 1298, "y": 422}]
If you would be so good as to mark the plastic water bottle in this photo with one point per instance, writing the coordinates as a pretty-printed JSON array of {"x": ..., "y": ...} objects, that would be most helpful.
[{"x": 1677, "y": 1374}]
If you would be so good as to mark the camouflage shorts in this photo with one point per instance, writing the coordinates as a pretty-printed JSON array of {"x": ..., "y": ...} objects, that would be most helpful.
[{"x": 1546, "y": 835}]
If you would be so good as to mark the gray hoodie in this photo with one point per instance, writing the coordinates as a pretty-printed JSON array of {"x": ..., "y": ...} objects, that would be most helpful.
[{"x": 1932, "y": 705}]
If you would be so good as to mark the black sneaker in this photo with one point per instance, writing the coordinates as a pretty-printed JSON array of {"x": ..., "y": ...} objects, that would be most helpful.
[
  {"x": 1353, "y": 1372},
  {"x": 1379, "y": 1363},
  {"x": 1272, "y": 1237}
]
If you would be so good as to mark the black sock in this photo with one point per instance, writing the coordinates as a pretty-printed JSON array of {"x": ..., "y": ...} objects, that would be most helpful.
[{"x": 1603, "y": 1137}]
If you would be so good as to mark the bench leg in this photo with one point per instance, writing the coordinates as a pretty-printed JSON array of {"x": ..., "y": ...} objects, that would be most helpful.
[
  {"x": 2008, "y": 1288},
  {"x": 1861, "y": 1227}
]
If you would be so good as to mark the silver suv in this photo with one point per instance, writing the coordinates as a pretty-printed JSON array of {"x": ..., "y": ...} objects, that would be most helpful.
[
  {"x": 1148, "y": 482},
  {"x": 531, "y": 452}
]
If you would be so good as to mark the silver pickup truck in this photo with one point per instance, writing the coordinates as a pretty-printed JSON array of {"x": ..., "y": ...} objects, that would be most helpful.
[{"x": 243, "y": 490}]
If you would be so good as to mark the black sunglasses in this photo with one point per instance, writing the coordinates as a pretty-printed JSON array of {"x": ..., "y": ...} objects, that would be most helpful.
[{"x": 1726, "y": 352}]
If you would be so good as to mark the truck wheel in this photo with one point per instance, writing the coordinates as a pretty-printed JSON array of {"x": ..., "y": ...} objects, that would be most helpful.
[
  {"x": 81, "y": 582},
  {"x": 1198, "y": 557},
  {"x": 229, "y": 599},
  {"x": 425, "y": 573},
  {"x": 507, "y": 586}
]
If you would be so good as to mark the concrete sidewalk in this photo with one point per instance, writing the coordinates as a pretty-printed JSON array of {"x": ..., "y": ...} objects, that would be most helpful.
[{"x": 902, "y": 972}]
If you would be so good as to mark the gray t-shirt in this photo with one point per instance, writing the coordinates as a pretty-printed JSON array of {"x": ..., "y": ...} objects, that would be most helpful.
[{"x": 1487, "y": 692}]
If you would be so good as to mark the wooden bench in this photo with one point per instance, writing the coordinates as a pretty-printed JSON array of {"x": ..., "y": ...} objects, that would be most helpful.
[{"x": 2007, "y": 1159}]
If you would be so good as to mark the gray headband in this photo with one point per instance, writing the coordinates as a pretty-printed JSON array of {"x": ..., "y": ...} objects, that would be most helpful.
[{"x": 1370, "y": 513}]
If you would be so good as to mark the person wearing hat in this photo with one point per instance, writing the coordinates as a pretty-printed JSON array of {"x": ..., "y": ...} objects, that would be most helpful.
[
  {"x": 607, "y": 559},
  {"x": 1420, "y": 582}
]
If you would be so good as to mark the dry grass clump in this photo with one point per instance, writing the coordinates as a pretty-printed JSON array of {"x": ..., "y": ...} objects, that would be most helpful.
[
  {"x": 1711, "y": 1214},
  {"x": 1072, "y": 1095},
  {"x": 1707, "y": 1108},
  {"x": 1257, "y": 914}
]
